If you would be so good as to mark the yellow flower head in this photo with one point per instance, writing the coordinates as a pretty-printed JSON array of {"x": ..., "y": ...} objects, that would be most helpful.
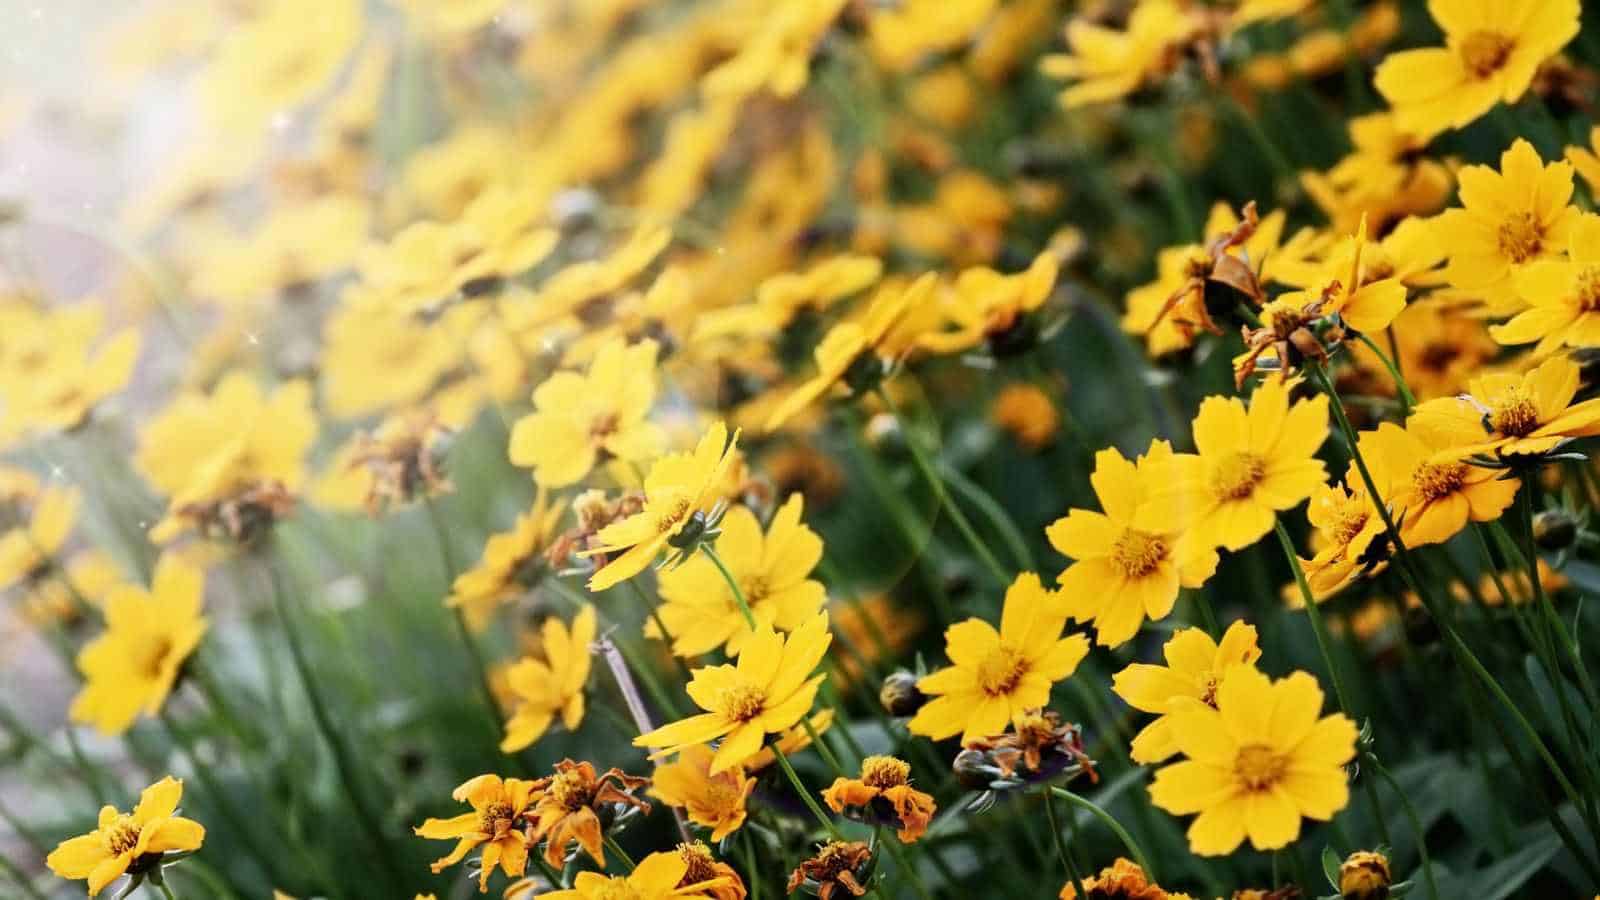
[
  {"x": 124, "y": 842},
  {"x": 768, "y": 690},
  {"x": 1131, "y": 560},
  {"x": 883, "y": 795},
  {"x": 995, "y": 677},
  {"x": 1358, "y": 281},
  {"x": 582, "y": 419},
  {"x": 712, "y": 801},
  {"x": 56, "y": 367},
  {"x": 1107, "y": 64},
  {"x": 552, "y": 686},
  {"x": 1347, "y": 523},
  {"x": 986, "y": 305},
  {"x": 680, "y": 491},
  {"x": 776, "y": 56},
  {"x": 1492, "y": 50},
  {"x": 1195, "y": 665},
  {"x": 511, "y": 563},
  {"x": 783, "y": 297},
  {"x": 495, "y": 824},
  {"x": 659, "y": 876},
  {"x": 568, "y": 804},
  {"x": 1365, "y": 875},
  {"x": 1027, "y": 413},
  {"x": 1563, "y": 296},
  {"x": 130, "y": 668},
  {"x": 28, "y": 551},
  {"x": 1512, "y": 415},
  {"x": 772, "y": 569},
  {"x": 1257, "y": 763},
  {"x": 1122, "y": 880}
]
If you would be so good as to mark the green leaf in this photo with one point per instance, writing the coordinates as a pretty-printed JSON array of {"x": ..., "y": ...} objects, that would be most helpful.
[{"x": 1330, "y": 866}]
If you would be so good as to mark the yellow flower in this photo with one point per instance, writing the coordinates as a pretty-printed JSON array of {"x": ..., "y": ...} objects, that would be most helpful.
[
  {"x": 698, "y": 608},
  {"x": 274, "y": 64},
  {"x": 29, "y": 550},
  {"x": 131, "y": 667},
  {"x": 1131, "y": 560},
  {"x": 783, "y": 297},
  {"x": 580, "y": 420},
  {"x": 777, "y": 55},
  {"x": 885, "y": 779},
  {"x": 1587, "y": 159},
  {"x": 771, "y": 688},
  {"x": 985, "y": 304},
  {"x": 456, "y": 17},
  {"x": 510, "y": 565},
  {"x": 570, "y": 290},
  {"x": 495, "y": 823},
  {"x": 124, "y": 842},
  {"x": 1252, "y": 464},
  {"x": 857, "y": 353},
  {"x": 554, "y": 685},
  {"x": 679, "y": 492},
  {"x": 1564, "y": 295},
  {"x": 374, "y": 359},
  {"x": 658, "y": 876},
  {"x": 1027, "y": 413},
  {"x": 1257, "y": 763},
  {"x": 1364, "y": 875},
  {"x": 295, "y": 247},
  {"x": 1360, "y": 282},
  {"x": 1107, "y": 64},
  {"x": 56, "y": 367},
  {"x": 1195, "y": 664},
  {"x": 1512, "y": 415},
  {"x": 1430, "y": 490},
  {"x": 715, "y": 801},
  {"x": 1385, "y": 178},
  {"x": 1507, "y": 220},
  {"x": 997, "y": 676},
  {"x": 1347, "y": 524},
  {"x": 1122, "y": 880},
  {"x": 1492, "y": 50}
]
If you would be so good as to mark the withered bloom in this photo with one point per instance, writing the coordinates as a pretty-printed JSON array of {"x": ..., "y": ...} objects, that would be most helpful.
[
  {"x": 404, "y": 459},
  {"x": 883, "y": 795},
  {"x": 1193, "y": 303},
  {"x": 1038, "y": 748},
  {"x": 836, "y": 865},
  {"x": 703, "y": 868},
  {"x": 577, "y": 805}
]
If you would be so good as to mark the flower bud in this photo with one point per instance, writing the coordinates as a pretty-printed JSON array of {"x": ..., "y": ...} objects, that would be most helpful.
[
  {"x": 884, "y": 435},
  {"x": 1554, "y": 529},
  {"x": 1364, "y": 875},
  {"x": 899, "y": 694}
]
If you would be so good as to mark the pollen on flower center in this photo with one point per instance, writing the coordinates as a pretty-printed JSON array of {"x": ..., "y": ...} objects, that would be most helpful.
[
  {"x": 1588, "y": 293},
  {"x": 1485, "y": 52},
  {"x": 1521, "y": 237},
  {"x": 743, "y": 702},
  {"x": 602, "y": 427},
  {"x": 1436, "y": 480},
  {"x": 1209, "y": 695},
  {"x": 1000, "y": 671},
  {"x": 1515, "y": 415},
  {"x": 122, "y": 836},
  {"x": 702, "y": 865},
  {"x": 1236, "y": 476},
  {"x": 673, "y": 516},
  {"x": 1138, "y": 553},
  {"x": 1352, "y": 517},
  {"x": 1258, "y": 766},
  {"x": 496, "y": 818},
  {"x": 571, "y": 790},
  {"x": 151, "y": 654},
  {"x": 884, "y": 772}
]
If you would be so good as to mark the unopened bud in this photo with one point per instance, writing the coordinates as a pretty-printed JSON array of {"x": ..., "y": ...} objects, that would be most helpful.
[
  {"x": 1554, "y": 529},
  {"x": 899, "y": 694},
  {"x": 1364, "y": 875}
]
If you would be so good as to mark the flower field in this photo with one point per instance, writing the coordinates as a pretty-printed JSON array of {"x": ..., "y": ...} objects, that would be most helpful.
[{"x": 622, "y": 450}]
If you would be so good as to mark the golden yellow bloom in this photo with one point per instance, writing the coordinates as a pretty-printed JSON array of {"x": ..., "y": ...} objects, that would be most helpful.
[
  {"x": 28, "y": 550},
  {"x": 777, "y": 56},
  {"x": 570, "y": 290},
  {"x": 679, "y": 492},
  {"x": 375, "y": 359},
  {"x": 1131, "y": 560},
  {"x": 1506, "y": 220},
  {"x": 1027, "y": 413},
  {"x": 703, "y": 868},
  {"x": 495, "y": 824},
  {"x": 1386, "y": 178},
  {"x": 712, "y": 801},
  {"x": 1512, "y": 415},
  {"x": 1347, "y": 524},
  {"x": 772, "y": 569},
  {"x": 785, "y": 296},
  {"x": 770, "y": 688},
  {"x": 272, "y": 64},
  {"x": 1364, "y": 875},
  {"x": 567, "y": 807},
  {"x": 294, "y": 248},
  {"x": 1431, "y": 492},
  {"x": 986, "y": 305},
  {"x": 1252, "y": 464},
  {"x": 658, "y": 876},
  {"x": 512, "y": 563},
  {"x": 57, "y": 366},
  {"x": 551, "y": 686},
  {"x": 883, "y": 795},
  {"x": 997, "y": 676},
  {"x": 129, "y": 842},
  {"x": 580, "y": 420},
  {"x": 1257, "y": 763},
  {"x": 130, "y": 668},
  {"x": 1107, "y": 64},
  {"x": 1492, "y": 50},
  {"x": 1564, "y": 296},
  {"x": 57, "y": 597},
  {"x": 1586, "y": 160},
  {"x": 1195, "y": 664},
  {"x": 1364, "y": 282},
  {"x": 1122, "y": 880}
]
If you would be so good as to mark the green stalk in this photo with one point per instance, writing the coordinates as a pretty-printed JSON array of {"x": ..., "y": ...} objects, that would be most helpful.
[
  {"x": 474, "y": 654},
  {"x": 1407, "y": 400},
  {"x": 618, "y": 852},
  {"x": 903, "y": 863},
  {"x": 970, "y": 491},
  {"x": 1061, "y": 847},
  {"x": 1318, "y": 628},
  {"x": 1416, "y": 824},
  {"x": 805, "y": 795},
  {"x": 220, "y": 799},
  {"x": 165, "y": 891},
  {"x": 1111, "y": 823},
  {"x": 733, "y": 584}
]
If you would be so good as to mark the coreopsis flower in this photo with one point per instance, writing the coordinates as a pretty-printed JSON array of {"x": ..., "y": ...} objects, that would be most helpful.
[
  {"x": 130, "y": 669},
  {"x": 1106, "y": 64},
  {"x": 883, "y": 795},
  {"x": 546, "y": 688},
  {"x": 1431, "y": 489},
  {"x": 58, "y": 594},
  {"x": 1351, "y": 536},
  {"x": 680, "y": 496},
  {"x": 57, "y": 366},
  {"x": 499, "y": 807},
  {"x": 569, "y": 291},
  {"x": 837, "y": 865},
  {"x": 772, "y": 569},
  {"x": 659, "y": 876},
  {"x": 1507, "y": 220},
  {"x": 580, "y": 420},
  {"x": 129, "y": 843},
  {"x": 577, "y": 805},
  {"x": 402, "y": 460},
  {"x": 1195, "y": 665},
  {"x": 1511, "y": 415},
  {"x": 704, "y": 868},
  {"x": 1365, "y": 875},
  {"x": 776, "y": 57},
  {"x": 1027, "y": 413},
  {"x": 997, "y": 676},
  {"x": 1131, "y": 560},
  {"x": 266, "y": 66},
  {"x": 374, "y": 359},
  {"x": 1122, "y": 880},
  {"x": 294, "y": 248},
  {"x": 1251, "y": 464},
  {"x": 787, "y": 297},
  {"x": 1586, "y": 160},
  {"x": 28, "y": 551},
  {"x": 986, "y": 306},
  {"x": 712, "y": 801},
  {"x": 1385, "y": 178},
  {"x": 1256, "y": 764},
  {"x": 1492, "y": 50},
  {"x": 858, "y": 355},
  {"x": 1563, "y": 296},
  {"x": 513, "y": 562},
  {"x": 769, "y": 689}
]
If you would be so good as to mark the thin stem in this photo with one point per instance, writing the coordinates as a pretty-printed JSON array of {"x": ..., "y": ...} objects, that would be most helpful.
[
  {"x": 619, "y": 853},
  {"x": 904, "y": 863},
  {"x": 165, "y": 891},
  {"x": 474, "y": 654},
  {"x": 219, "y": 798},
  {"x": 733, "y": 584},
  {"x": 970, "y": 491},
  {"x": 1407, "y": 400},
  {"x": 1111, "y": 823},
  {"x": 1061, "y": 847},
  {"x": 630, "y": 696},
  {"x": 1416, "y": 824},
  {"x": 1318, "y": 627},
  {"x": 805, "y": 795},
  {"x": 823, "y": 749}
]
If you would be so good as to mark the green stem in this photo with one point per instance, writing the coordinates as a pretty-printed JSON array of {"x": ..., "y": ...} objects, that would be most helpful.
[
  {"x": 1318, "y": 627},
  {"x": 165, "y": 891},
  {"x": 903, "y": 862},
  {"x": 1111, "y": 823},
  {"x": 823, "y": 749},
  {"x": 1061, "y": 847},
  {"x": 219, "y": 798},
  {"x": 1407, "y": 400},
  {"x": 1416, "y": 824},
  {"x": 733, "y": 584},
  {"x": 619, "y": 853},
  {"x": 970, "y": 491},
  {"x": 805, "y": 795}
]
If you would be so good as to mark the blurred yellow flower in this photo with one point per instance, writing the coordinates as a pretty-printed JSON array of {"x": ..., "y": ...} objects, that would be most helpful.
[
  {"x": 512, "y": 563},
  {"x": 552, "y": 686},
  {"x": 580, "y": 420},
  {"x": 28, "y": 550},
  {"x": 711, "y": 801},
  {"x": 1107, "y": 64},
  {"x": 659, "y": 876}
]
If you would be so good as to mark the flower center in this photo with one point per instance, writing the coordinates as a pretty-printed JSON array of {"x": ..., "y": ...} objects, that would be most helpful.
[
  {"x": 1352, "y": 518},
  {"x": 1515, "y": 415},
  {"x": 1588, "y": 293},
  {"x": 756, "y": 588},
  {"x": 149, "y": 655},
  {"x": 1485, "y": 52},
  {"x": 571, "y": 790},
  {"x": 702, "y": 866},
  {"x": 884, "y": 772},
  {"x": 602, "y": 427},
  {"x": 1258, "y": 766},
  {"x": 1209, "y": 695},
  {"x": 999, "y": 672},
  {"x": 743, "y": 702},
  {"x": 1434, "y": 481},
  {"x": 122, "y": 836},
  {"x": 1235, "y": 476},
  {"x": 496, "y": 818},
  {"x": 673, "y": 516},
  {"x": 1521, "y": 237},
  {"x": 1138, "y": 553}
]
